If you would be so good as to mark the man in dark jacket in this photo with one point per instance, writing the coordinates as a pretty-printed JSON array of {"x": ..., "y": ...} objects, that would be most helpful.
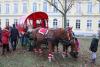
[
  {"x": 14, "y": 37},
  {"x": 93, "y": 48}
]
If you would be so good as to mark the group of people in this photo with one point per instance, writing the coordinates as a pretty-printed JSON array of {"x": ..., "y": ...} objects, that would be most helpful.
[{"x": 9, "y": 37}]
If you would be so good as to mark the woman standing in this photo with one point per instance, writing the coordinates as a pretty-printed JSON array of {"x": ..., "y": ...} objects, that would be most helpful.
[{"x": 5, "y": 40}]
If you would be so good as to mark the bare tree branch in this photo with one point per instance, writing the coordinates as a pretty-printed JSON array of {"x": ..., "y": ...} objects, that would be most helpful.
[
  {"x": 61, "y": 5},
  {"x": 55, "y": 7},
  {"x": 69, "y": 6}
]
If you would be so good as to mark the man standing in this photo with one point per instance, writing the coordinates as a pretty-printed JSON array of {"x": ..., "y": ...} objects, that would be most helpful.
[
  {"x": 14, "y": 37},
  {"x": 93, "y": 48}
]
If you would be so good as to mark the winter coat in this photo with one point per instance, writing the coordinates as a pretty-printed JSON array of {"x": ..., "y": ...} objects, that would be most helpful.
[
  {"x": 5, "y": 36},
  {"x": 14, "y": 34},
  {"x": 94, "y": 45}
]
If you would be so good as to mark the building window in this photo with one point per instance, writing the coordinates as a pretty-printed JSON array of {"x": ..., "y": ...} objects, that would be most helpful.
[
  {"x": 0, "y": 22},
  {"x": 89, "y": 24},
  {"x": 54, "y": 9},
  {"x": 78, "y": 8},
  {"x": 55, "y": 23},
  {"x": 15, "y": 21},
  {"x": 67, "y": 23},
  {"x": 99, "y": 7},
  {"x": 7, "y": 8},
  {"x": 34, "y": 7},
  {"x": 0, "y": 8},
  {"x": 99, "y": 24},
  {"x": 15, "y": 8},
  {"x": 77, "y": 24},
  {"x": 89, "y": 7},
  {"x": 24, "y": 7},
  {"x": 45, "y": 6},
  {"x": 7, "y": 22}
]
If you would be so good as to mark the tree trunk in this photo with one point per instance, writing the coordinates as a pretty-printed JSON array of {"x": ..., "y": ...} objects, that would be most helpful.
[{"x": 64, "y": 20}]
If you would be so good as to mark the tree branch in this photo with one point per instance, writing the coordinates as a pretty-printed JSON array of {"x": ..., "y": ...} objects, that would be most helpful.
[
  {"x": 55, "y": 7},
  {"x": 61, "y": 5},
  {"x": 69, "y": 6}
]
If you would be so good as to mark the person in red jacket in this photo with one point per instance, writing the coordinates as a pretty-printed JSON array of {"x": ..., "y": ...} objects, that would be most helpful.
[{"x": 5, "y": 40}]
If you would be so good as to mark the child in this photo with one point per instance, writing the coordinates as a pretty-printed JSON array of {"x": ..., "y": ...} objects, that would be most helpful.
[
  {"x": 5, "y": 40},
  {"x": 93, "y": 48}
]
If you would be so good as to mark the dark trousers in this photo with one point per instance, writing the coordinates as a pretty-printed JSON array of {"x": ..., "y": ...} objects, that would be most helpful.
[
  {"x": 14, "y": 44},
  {"x": 5, "y": 47},
  {"x": 24, "y": 41},
  {"x": 31, "y": 45}
]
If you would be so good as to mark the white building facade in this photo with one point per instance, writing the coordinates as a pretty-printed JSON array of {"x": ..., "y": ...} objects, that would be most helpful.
[{"x": 84, "y": 16}]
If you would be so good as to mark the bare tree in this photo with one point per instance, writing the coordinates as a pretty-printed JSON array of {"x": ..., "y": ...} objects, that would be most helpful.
[{"x": 65, "y": 6}]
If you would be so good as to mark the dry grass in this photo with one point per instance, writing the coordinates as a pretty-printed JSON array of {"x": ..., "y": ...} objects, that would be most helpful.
[{"x": 23, "y": 58}]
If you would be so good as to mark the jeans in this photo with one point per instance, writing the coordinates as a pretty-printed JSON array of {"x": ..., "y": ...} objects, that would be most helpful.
[{"x": 24, "y": 40}]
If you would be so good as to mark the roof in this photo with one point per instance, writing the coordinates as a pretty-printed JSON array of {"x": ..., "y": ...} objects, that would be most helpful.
[{"x": 37, "y": 16}]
